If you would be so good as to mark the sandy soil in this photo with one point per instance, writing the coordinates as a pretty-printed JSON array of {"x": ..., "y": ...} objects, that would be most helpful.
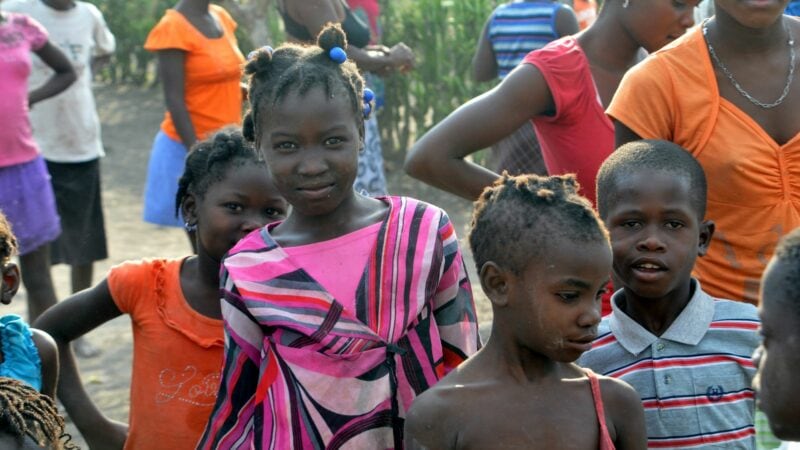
[{"x": 130, "y": 118}]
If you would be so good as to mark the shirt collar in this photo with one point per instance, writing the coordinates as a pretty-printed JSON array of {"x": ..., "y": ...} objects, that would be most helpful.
[{"x": 688, "y": 328}]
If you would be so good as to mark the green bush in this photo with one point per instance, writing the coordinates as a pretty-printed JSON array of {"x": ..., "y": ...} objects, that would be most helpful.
[{"x": 442, "y": 33}]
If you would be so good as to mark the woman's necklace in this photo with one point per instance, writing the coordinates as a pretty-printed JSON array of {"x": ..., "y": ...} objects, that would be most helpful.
[{"x": 733, "y": 81}]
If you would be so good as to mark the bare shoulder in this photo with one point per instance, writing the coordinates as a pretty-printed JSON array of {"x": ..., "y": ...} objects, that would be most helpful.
[
  {"x": 429, "y": 422},
  {"x": 48, "y": 355},
  {"x": 624, "y": 414}
]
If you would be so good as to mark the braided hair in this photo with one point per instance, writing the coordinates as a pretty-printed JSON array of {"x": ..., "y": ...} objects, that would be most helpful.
[
  {"x": 24, "y": 412},
  {"x": 300, "y": 68},
  {"x": 209, "y": 160},
  {"x": 8, "y": 242},
  {"x": 517, "y": 217}
]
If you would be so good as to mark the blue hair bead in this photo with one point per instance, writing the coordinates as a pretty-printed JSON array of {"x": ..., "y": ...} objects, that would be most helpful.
[
  {"x": 338, "y": 55},
  {"x": 367, "y": 109},
  {"x": 255, "y": 52},
  {"x": 368, "y": 95}
]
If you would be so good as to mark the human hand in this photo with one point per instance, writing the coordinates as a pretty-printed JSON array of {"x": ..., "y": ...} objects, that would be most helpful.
[
  {"x": 108, "y": 435},
  {"x": 402, "y": 57}
]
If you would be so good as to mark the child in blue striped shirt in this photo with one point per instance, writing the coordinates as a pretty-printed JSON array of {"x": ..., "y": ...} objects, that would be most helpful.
[{"x": 685, "y": 352}]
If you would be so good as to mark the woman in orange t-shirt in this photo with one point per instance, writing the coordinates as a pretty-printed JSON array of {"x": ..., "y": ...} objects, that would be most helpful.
[
  {"x": 199, "y": 64},
  {"x": 729, "y": 93}
]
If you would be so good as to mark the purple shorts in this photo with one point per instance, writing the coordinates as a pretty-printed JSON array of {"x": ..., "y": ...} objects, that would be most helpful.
[{"x": 27, "y": 200}]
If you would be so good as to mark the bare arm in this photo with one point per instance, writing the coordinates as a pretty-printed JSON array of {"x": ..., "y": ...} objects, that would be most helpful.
[
  {"x": 484, "y": 63},
  {"x": 315, "y": 14},
  {"x": 63, "y": 77},
  {"x": 623, "y": 134},
  {"x": 566, "y": 22},
  {"x": 173, "y": 75},
  {"x": 624, "y": 414},
  {"x": 65, "y": 322},
  {"x": 438, "y": 157},
  {"x": 48, "y": 355}
]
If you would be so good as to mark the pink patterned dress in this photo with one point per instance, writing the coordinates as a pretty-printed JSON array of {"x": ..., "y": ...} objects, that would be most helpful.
[{"x": 303, "y": 372}]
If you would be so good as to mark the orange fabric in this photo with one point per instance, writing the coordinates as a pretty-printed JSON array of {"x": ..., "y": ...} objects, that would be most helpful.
[
  {"x": 586, "y": 12},
  {"x": 177, "y": 356},
  {"x": 753, "y": 183},
  {"x": 213, "y": 71}
]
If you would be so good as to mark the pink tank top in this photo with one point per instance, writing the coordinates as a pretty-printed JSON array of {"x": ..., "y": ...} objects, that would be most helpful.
[
  {"x": 338, "y": 264},
  {"x": 605, "y": 439},
  {"x": 579, "y": 137}
]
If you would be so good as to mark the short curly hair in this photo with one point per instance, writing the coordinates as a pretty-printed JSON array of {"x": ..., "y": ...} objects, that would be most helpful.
[
  {"x": 787, "y": 254},
  {"x": 209, "y": 160},
  {"x": 514, "y": 219},
  {"x": 273, "y": 74},
  {"x": 8, "y": 242},
  {"x": 650, "y": 154}
]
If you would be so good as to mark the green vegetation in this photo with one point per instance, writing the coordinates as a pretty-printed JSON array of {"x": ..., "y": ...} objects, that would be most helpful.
[{"x": 443, "y": 34}]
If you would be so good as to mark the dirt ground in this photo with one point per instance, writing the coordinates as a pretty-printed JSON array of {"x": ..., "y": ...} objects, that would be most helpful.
[{"x": 130, "y": 118}]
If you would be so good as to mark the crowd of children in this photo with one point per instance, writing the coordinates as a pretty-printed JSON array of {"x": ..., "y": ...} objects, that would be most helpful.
[{"x": 314, "y": 316}]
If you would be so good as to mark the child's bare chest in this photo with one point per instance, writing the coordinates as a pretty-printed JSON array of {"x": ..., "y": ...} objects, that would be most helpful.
[{"x": 565, "y": 420}]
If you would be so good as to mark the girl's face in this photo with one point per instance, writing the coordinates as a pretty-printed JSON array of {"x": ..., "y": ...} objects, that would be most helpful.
[
  {"x": 655, "y": 23},
  {"x": 10, "y": 282},
  {"x": 556, "y": 300},
  {"x": 752, "y": 13},
  {"x": 243, "y": 201},
  {"x": 311, "y": 144}
]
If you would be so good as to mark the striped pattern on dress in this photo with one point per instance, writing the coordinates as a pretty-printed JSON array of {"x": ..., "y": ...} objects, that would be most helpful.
[{"x": 303, "y": 372}]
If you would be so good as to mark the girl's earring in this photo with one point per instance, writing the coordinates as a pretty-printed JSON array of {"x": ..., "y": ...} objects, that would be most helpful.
[{"x": 190, "y": 227}]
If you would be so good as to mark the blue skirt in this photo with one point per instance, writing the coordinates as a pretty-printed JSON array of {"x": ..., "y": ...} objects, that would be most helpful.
[
  {"x": 164, "y": 170},
  {"x": 27, "y": 200}
]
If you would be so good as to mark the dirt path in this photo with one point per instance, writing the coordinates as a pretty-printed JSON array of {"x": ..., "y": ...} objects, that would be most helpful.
[{"x": 130, "y": 118}]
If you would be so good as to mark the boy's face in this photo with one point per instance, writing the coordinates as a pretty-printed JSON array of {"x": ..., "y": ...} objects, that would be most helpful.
[
  {"x": 656, "y": 234},
  {"x": 778, "y": 357},
  {"x": 554, "y": 306}
]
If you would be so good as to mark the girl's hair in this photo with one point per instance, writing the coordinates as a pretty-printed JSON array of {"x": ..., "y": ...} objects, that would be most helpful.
[
  {"x": 208, "y": 161},
  {"x": 8, "y": 242},
  {"x": 26, "y": 412},
  {"x": 291, "y": 67},
  {"x": 516, "y": 218}
]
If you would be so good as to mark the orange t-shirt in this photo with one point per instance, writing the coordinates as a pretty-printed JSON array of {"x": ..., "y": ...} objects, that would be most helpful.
[
  {"x": 177, "y": 356},
  {"x": 213, "y": 71},
  {"x": 586, "y": 12},
  {"x": 753, "y": 183}
]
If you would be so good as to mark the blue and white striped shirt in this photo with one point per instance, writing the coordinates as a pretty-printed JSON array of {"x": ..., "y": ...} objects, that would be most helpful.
[
  {"x": 694, "y": 379},
  {"x": 518, "y": 28}
]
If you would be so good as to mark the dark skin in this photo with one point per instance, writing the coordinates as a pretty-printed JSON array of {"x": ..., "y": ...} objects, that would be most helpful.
[
  {"x": 48, "y": 352},
  {"x": 522, "y": 390},
  {"x": 237, "y": 210},
  {"x": 315, "y": 14},
  {"x": 656, "y": 234},
  {"x": 312, "y": 141},
  {"x": 613, "y": 44},
  {"x": 759, "y": 60},
  {"x": 35, "y": 264},
  {"x": 484, "y": 63}
]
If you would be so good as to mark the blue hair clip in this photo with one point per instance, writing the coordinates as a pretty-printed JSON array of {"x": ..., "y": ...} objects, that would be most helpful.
[
  {"x": 255, "y": 52},
  {"x": 368, "y": 97},
  {"x": 338, "y": 55}
]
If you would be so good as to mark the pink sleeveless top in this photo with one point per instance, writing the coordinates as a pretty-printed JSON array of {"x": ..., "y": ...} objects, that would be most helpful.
[
  {"x": 579, "y": 137},
  {"x": 605, "y": 439}
]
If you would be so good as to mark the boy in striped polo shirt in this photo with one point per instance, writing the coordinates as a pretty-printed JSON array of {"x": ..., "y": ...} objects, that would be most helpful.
[{"x": 686, "y": 353}]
